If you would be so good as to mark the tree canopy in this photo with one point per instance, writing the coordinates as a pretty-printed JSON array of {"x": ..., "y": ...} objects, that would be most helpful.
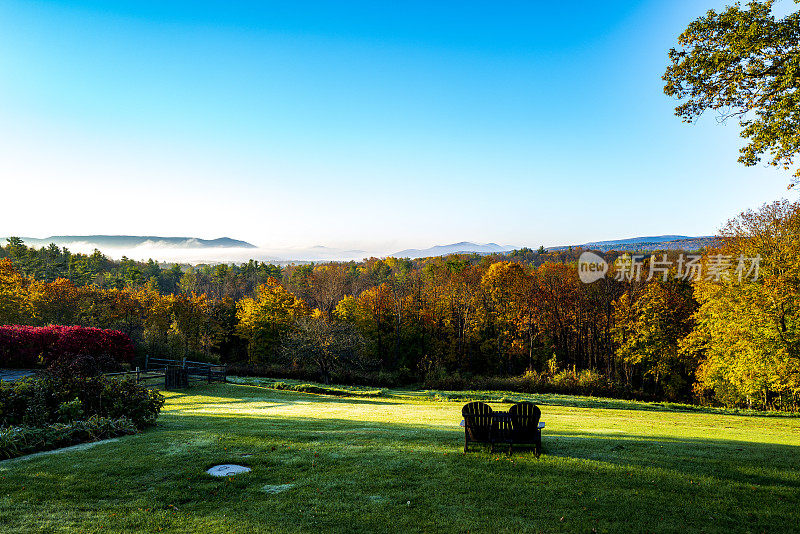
[{"x": 744, "y": 63}]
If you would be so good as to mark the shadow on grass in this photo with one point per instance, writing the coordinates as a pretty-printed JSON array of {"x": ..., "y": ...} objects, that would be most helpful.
[
  {"x": 362, "y": 475},
  {"x": 735, "y": 460},
  {"x": 744, "y": 461}
]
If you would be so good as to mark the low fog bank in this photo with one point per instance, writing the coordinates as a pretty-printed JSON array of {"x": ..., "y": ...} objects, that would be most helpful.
[{"x": 195, "y": 256}]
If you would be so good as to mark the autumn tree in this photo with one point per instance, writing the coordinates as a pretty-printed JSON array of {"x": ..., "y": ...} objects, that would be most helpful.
[
  {"x": 557, "y": 309},
  {"x": 401, "y": 282},
  {"x": 510, "y": 292},
  {"x": 372, "y": 313},
  {"x": 744, "y": 63},
  {"x": 648, "y": 330},
  {"x": 158, "y": 320},
  {"x": 114, "y": 308},
  {"x": 328, "y": 286},
  {"x": 189, "y": 313},
  {"x": 219, "y": 334},
  {"x": 56, "y": 302},
  {"x": 747, "y": 337},
  {"x": 325, "y": 345},
  {"x": 264, "y": 321},
  {"x": 14, "y": 304},
  {"x": 460, "y": 343}
]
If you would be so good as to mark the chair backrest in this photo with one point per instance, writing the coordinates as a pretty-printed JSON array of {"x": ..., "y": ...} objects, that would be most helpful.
[
  {"x": 477, "y": 420},
  {"x": 524, "y": 420}
]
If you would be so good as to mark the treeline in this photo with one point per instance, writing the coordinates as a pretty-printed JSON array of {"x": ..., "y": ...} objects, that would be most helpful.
[
  {"x": 523, "y": 320},
  {"x": 50, "y": 263}
]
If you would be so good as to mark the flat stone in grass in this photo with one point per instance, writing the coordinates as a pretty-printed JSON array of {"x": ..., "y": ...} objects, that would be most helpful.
[
  {"x": 270, "y": 488},
  {"x": 227, "y": 470}
]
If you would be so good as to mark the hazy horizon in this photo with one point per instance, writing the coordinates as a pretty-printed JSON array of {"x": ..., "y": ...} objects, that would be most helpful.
[{"x": 194, "y": 254}]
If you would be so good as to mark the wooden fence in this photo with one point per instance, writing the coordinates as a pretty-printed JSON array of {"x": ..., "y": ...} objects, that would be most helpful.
[{"x": 174, "y": 374}]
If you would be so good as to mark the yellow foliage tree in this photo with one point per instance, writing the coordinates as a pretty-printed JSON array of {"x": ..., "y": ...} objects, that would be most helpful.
[
  {"x": 57, "y": 302},
  {"x": 748, "y": 325},
  {"x": 265, "y": 320},
  {"x": 14, "y": 303}
]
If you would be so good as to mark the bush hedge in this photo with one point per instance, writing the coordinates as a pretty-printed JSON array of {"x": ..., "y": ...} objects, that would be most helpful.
[
  {"x": 84, "y": 349},
  {"x": 61, "y": 398},
  {"x": 565, "y": 382},
  {"x": 382, "y": 379},
  {"x": 18, "y": 441}
]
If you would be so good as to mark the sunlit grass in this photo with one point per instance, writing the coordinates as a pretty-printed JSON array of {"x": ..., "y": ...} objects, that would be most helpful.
[{"x": 394, "y": 463}]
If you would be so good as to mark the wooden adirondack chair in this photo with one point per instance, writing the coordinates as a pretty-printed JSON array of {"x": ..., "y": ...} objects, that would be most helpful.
[
  {"x": 477, "y": 423},
  {"x": 524, "y": 418}
]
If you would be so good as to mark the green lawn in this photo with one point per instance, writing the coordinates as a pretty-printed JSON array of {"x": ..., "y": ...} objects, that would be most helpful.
[{"x": 394, "y": 463}]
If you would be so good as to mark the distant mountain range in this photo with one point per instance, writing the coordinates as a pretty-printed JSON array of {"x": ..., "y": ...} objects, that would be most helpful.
[
  {"x": 633, "y": 244},
  {"x": 645, "y": 244},
  {"x": 464, "y": 247},
  {"x": 131, "y": 241},
  {"x": 226, "y": 250}
]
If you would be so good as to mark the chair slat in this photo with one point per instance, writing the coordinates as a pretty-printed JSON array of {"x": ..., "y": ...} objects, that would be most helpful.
[{"x": 477, "y": 423}]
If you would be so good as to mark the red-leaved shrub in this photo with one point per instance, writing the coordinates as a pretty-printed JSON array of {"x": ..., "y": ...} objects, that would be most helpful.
[{"x": 89, "y": 350}]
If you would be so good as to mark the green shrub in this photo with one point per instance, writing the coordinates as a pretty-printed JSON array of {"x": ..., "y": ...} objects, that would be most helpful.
[
  {"x": 18, "y": 441},
  {"x": 48, "y": 399},
  {"x": 37, "y": 412},
  {"x": 70, "y": 411},
  {"x": 400, "y": 377},
  {"x": 566, "y": 382}
]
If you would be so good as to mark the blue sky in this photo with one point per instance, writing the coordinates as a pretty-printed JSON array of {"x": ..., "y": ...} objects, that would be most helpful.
[{"x": 363, "y": 124}]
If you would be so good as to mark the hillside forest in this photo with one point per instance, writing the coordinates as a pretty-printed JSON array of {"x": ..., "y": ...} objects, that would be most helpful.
[{"x": 521, "y": 320}]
